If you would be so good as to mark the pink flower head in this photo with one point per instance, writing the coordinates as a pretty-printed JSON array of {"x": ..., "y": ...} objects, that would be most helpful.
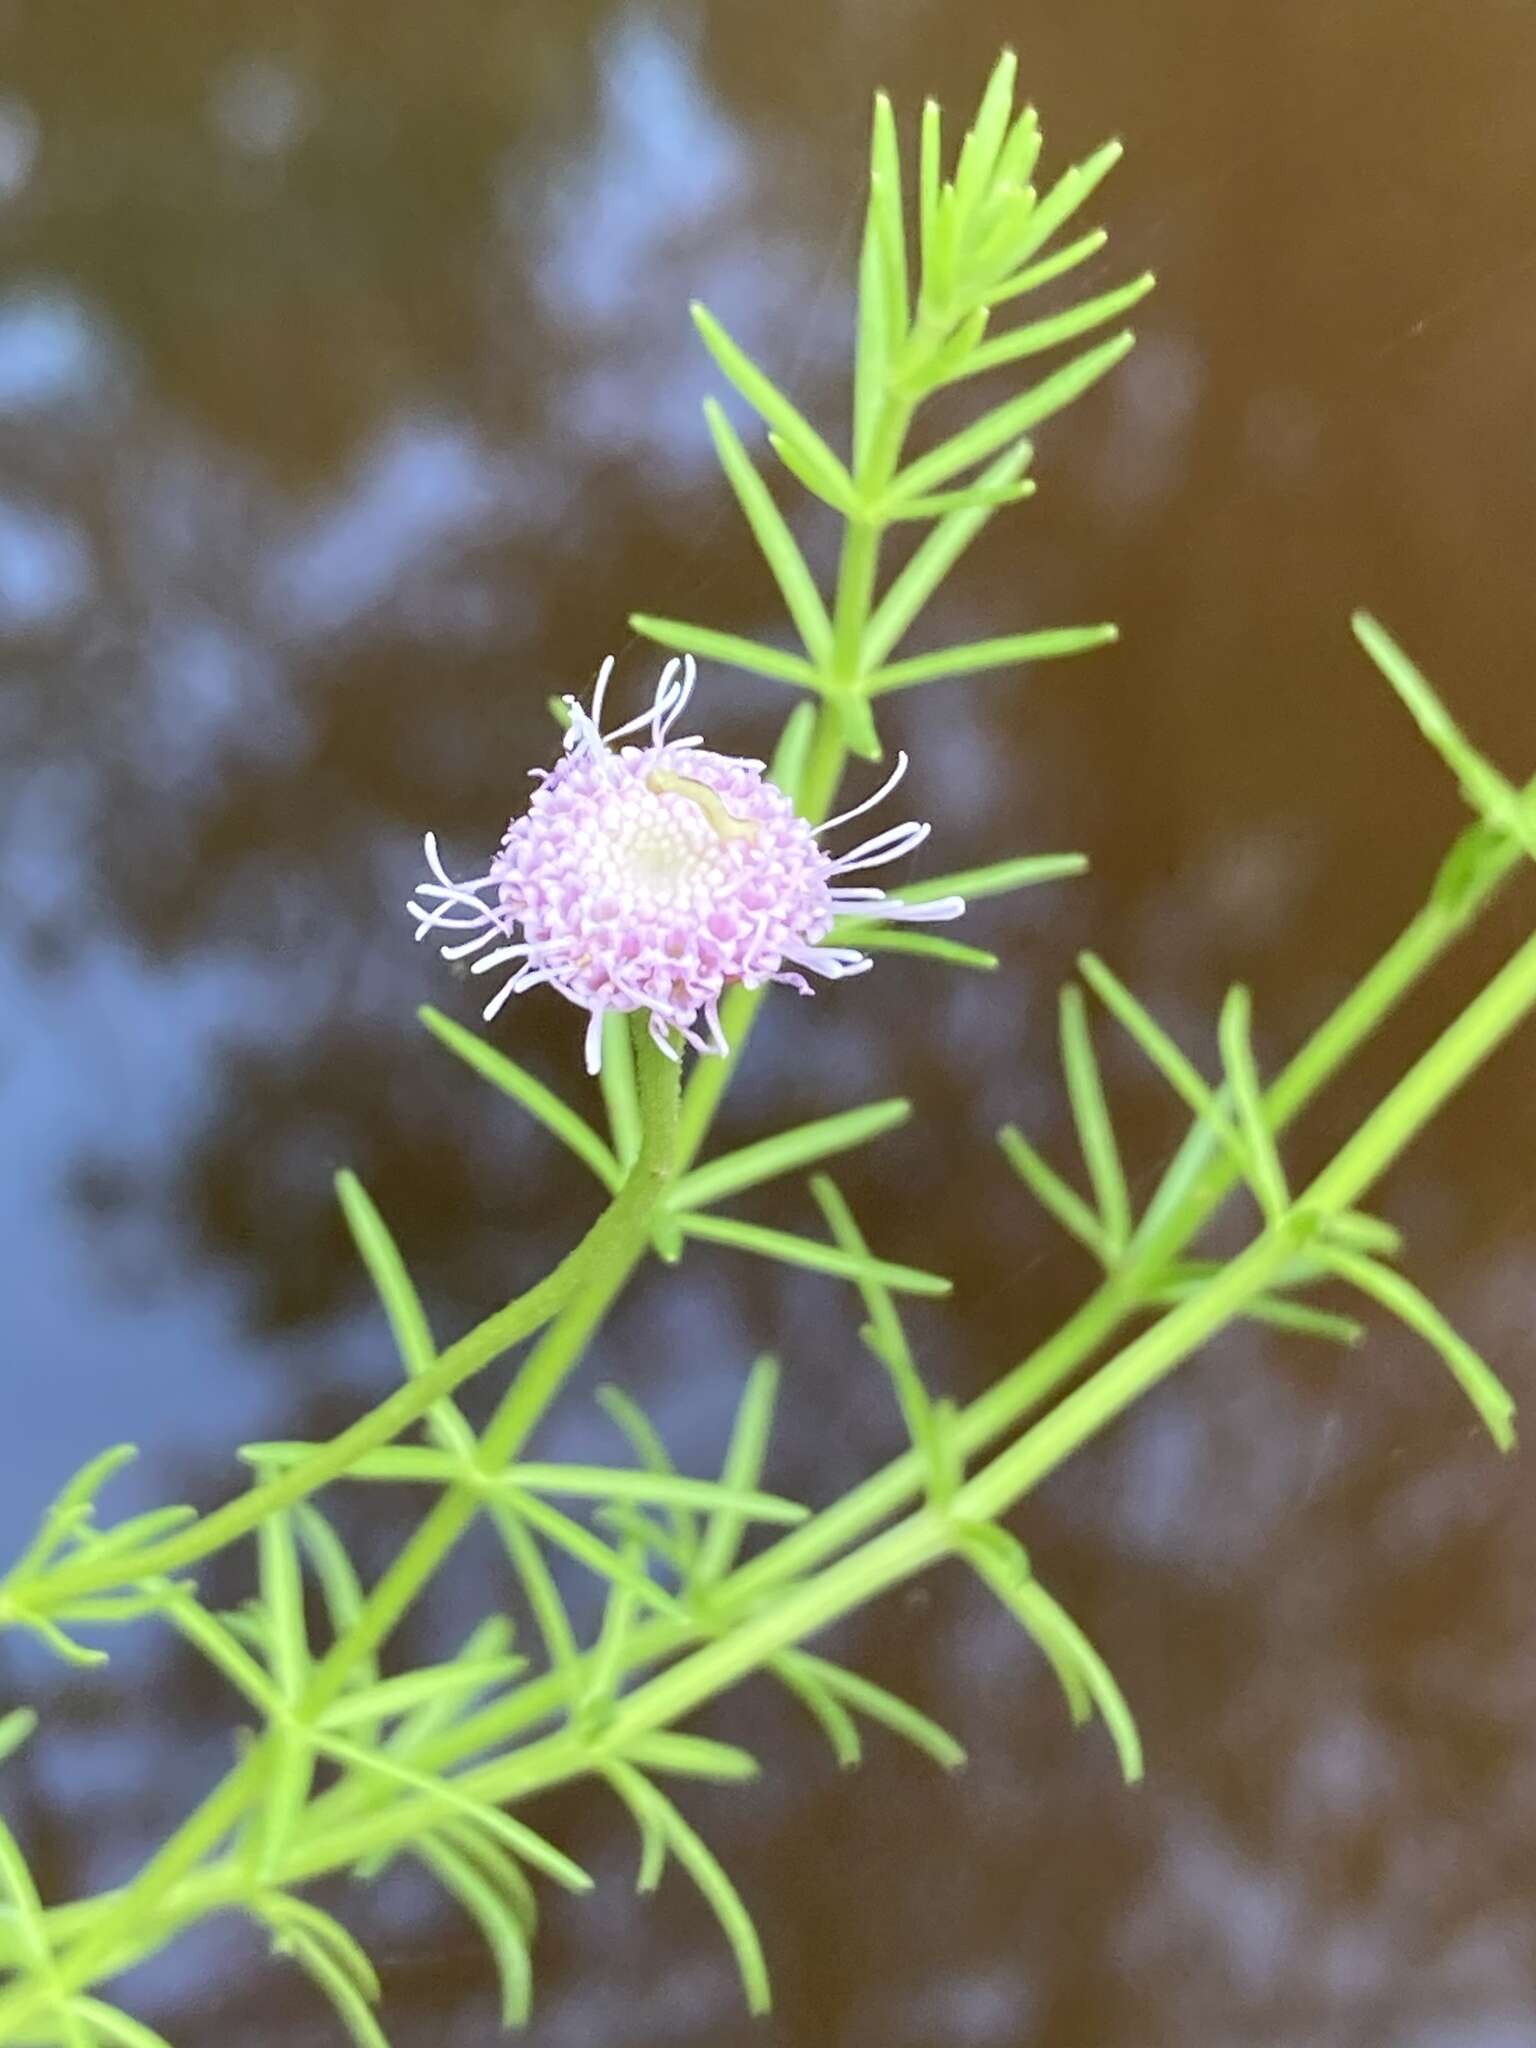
[{"x": 654, "y": 875}]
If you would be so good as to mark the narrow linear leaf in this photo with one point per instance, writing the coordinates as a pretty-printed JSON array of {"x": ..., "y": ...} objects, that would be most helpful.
[
  {"x": 454, "y": 1683},
  {"x": 137, "y": 1532},
  {"x": 217, "y": 1643},
  {"x": 604, "y": 1677},
  {"x": 981, "y": 497},
  {"x": 646, "y": 1536},
  {"x": 875, "y": 1703},
  {"x": 1097, "y": 1676},
  {"x": 1236, "y": 1041},
  {"x": 816, "y": 1258},
  {"x": 786, "y": 1151},
  {"x": 790, "y": 755},
  {"x": 796, "y": 584},
  {"x": 1176, "y": 1069},
  {"x": 824, "y": 1707},
  {"x": 1056, "y": 328},
  {"x": 1021, "y": 152},
  {"x": 499, "y": 1926},
  {"x": 621, "y": 1098},
  {"x": 645, "y": 1441},
  {"x": 381, "y": 1256},
  {"x": 1049, "y": 268},
  {"x": 998, "y": 879},
  {"x": 873, "y": 340},
  {"x": 929, "y": 174},
  {"x": 1017, "y": 416},
  {"x": 1483, "y": 786},
  {"x": 1054, "y": 1194},
  {"x": 764, "y": 396},
  {"x": 541, "y": 1103},
  {"x": 743, "y": 1466},
  {"x": 695, "y": 1756},
  {"x": 591, "y": 1551},
  {"x": 630, "y": 1787},
  {"x": 288, "y": 1915},
  {"x": 875, "y": 938},
  {"x": 702, "y": 1865},
  {"x": 1090, "y": 1113},
  {"x": 832, "y": 486},
  {"x": 1482, "y": 1387},
  {"x": 82, "y": 1489},
  {"x": 1360, "y": 1232},
  {"x": 346, "y": 2001},
  {"x": 1009, "y": 652},
  {"x": 15, "y": 1727},
  {"x": 885, "y": 1337},
  {"x": 62, "y": 1645},
  {"x": 521, "y": 1839},
  {"x": 340, "y": 1588},
  {"x": 729, "y": 648},
  {"x": 673, "y": 1489},
  {"x": 1298, "y": 1318},
  {"x": 538, "y": 1582},
  {"x": 933, "y": 559},
  {"x": 983, "y": 143},
  {"x": 390, "y": 1461},
  {"x": 1065, "y": 197},
  {"x": 16, "y": 1883}
]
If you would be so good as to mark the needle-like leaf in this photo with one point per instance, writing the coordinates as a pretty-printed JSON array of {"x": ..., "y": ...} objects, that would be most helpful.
[
  {"x": 875, "y": 1703},
  {"x": 932, "y": 561},
  {"x": 1483, "y": 786},
  {"x": 1006, "y": 422},
  {"x": 729, "y": 648},
  {"x": 498, "y": 1923},
  {"x": 765, "y": 397},
  {"x": 740, "y": 1472},
  {"x": 1054, "y": 1194},
  {"x": 878, "y": 938},
  {"x": 541, "y": 1103},
  {"x": 1049, "y": 268},
  {"x": 796, "y": 584},
  {"x": 1056, "y": 328},
  {"x": 1236, "y": 1040},
  {"x": 1010, "y": 652},
  {"x": 787, "y": 1151},
  {"x": 816, "y": 1258},
  {"x": 1090, "y": 1113},
  {"x": 1482, "y": 1387},
  {"x": 708, "y": 1874}
]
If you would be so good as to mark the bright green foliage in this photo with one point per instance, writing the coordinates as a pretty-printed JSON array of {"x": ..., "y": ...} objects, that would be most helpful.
[
  {"x": 347, "y": 1759},
  {"x": 926, "y": 298}
]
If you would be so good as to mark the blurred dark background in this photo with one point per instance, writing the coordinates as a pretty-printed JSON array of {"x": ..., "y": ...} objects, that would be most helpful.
[{"x": 347, "y": 404}]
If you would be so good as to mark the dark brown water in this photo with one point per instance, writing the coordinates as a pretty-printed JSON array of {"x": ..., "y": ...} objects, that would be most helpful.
[{"x": 347, "y": 403}]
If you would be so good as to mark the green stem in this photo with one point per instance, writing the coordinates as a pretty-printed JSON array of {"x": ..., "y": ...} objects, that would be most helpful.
[
  {"x": 536, "y": 1383},
  {"x": 57, "y": 1588},
  {"x": 1030, "y": 1383}
]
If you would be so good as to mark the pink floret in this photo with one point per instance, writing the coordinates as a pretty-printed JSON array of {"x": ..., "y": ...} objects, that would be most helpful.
[{"x": 657, "y": 876}]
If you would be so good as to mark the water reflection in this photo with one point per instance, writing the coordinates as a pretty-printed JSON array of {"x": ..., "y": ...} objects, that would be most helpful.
[{"x": 348, "y": 404}]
